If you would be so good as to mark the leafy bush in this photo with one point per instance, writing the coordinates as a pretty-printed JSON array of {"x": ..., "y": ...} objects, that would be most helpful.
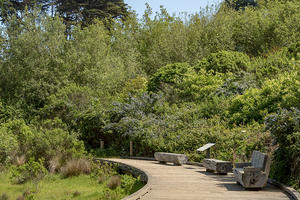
[
  {"x": 237, "y": 84},
  {"x": 172, "y": 74},
  {"x": 257, "y": 33},
  {"x": 136, "y": 86},
  {"x": 33, "y": 63},
  {"x": 285, "y": 128},
  {"x": 128, "y": 182},
  {"x": 180, "y": 82},
  {"x": 294, "y": 51},
  {"x": 31, "y": 170},
  {"x": 224, "y": 62},
  {"x": 8, "y": 146},
  {"x": 67, "y": 103},
  {"x": 255, "y": 103},
  {"x": 44, "y": 142},
  {"x": 102, "y": 171},
  {"x": 4, "y": 196},
  {"x": 200, "y": 86},
  {"x": 55, "y": 140},
  {"x": 271, "y": 66}
]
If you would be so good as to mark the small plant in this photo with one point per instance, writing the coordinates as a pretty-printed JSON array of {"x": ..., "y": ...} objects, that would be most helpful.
[
  {"x": 101, "y": 179},
  {"x": 26, "y": 193},
  {"x": 114, "y": 182},
  {"x": 76, "y": 167},
  {"x": 111, "y": 194},
  {"x": 103, "y": 171},
  {"x": 4, "y": 196},
  {"x": 128, "y": 182},
  {"x": 76, "y": 194},
  {"x": 31, "y": 170},
  {"x": 54, "y": 164}
]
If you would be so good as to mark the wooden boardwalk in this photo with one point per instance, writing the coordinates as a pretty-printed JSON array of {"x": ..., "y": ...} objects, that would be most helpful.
[{"x": 168, "y": 182}]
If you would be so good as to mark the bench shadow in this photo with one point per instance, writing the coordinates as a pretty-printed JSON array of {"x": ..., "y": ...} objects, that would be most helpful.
[
  {"x": 164, "y": 164},
  {"x": 231, "y": 186},
  {"x": 228, "y": 181}
]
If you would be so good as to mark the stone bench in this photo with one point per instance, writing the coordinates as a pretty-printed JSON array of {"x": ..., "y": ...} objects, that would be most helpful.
[
  {"x": 177, "y": 159},
  {"x": 253, "y": 175},
  {"x": 219, "y": 166}
]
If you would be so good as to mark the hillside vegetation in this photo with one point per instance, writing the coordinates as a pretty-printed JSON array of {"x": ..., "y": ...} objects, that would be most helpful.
[{"x": 167, "y": 83}]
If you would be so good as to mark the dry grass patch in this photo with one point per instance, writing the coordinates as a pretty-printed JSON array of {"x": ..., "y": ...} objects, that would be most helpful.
[
  {"x": 20, "y": 160},
  {"x": 4, "y": 196},
  {"x": 76, "y": 167},
  {"x": 114, "y": 182}
]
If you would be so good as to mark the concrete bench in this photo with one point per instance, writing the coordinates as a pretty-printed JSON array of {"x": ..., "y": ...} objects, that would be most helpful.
[
  {"x": 255, "y": 174},
  {"x": 177, "y": 159},
  {"x": 219, "y": 166}
]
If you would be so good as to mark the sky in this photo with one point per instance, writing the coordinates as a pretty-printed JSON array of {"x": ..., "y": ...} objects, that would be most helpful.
[{"x": 172, "y": 6}]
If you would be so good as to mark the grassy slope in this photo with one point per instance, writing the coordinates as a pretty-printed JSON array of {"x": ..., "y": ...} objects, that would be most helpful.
[{"x": 53, "y": 187}]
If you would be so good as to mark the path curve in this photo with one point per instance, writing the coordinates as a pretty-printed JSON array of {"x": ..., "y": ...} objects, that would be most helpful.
[{"x": 187, "y": 182}]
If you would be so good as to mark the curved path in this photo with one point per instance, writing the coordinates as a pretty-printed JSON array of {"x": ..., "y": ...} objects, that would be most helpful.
[{"x": 187, "y": 182}]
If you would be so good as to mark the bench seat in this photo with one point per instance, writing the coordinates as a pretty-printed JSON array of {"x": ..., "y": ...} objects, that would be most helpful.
[
  {"x": 253, "y": 175},
  {"x": 219, "y": 166},
  {"x": 176, "y": 159}
]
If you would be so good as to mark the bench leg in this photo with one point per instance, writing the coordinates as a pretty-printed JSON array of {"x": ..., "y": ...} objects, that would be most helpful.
[
  {"x": 177, "y": 164},
  {"x": 209, "y": 170}
]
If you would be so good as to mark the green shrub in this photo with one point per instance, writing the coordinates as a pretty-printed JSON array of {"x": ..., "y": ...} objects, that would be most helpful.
[
  {"x": 4, "y": 196},
  {"x": 31, "y": 170},
  {"x": 44, "y": 141},
  {"x": 200, "y": 86},
  {"x": 224, "y": 62},
  {"x": 67, "y": 103},
  {"x": 285, "y": 128},
  {"x": 179, "y": 82},
  {"x": 237, "y": 84},
  {"x": 128, "y": 183},
  {"x": 255, "y": 103},
  {"x": 256, "y": 33},
  {"x": 172, "y": 74},
  {"x": 294, "y": 51},
  {"x": 102, "y": 171},
  {"x": 271, "y": 66},
  {"x": 8, "y": 146},
  {"x": 135, "y": 86}
]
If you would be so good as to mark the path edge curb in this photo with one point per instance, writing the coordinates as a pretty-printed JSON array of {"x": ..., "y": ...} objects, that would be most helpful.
[
  {"x": 289, "y": 190},
  {"x": 136, "y": 172}
]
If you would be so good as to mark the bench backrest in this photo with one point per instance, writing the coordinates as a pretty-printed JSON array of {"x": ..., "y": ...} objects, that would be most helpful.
[{"x": 260, "y": 160}]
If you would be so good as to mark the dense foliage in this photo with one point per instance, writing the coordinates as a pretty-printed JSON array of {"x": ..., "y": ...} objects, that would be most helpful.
[
  {"x": 72, "y": 12},
  {"x": 167, "y": 83}
]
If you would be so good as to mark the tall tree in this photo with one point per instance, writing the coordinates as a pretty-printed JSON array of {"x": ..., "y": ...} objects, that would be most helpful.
[
  {"x": 240, "y": 4},
  {"x": 17, "y": 7},
  {"x": 85, "y": 11},
  {"x": 72, "y": 11}
]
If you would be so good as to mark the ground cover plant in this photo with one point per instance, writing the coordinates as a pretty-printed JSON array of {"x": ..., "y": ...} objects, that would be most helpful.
[
  {"x": 53, "y": 186},
  {"x": 228, "y": 74}
]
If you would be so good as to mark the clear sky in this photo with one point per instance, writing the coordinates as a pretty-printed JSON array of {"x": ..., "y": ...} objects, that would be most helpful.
[{"x": 172, "y": 6}]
